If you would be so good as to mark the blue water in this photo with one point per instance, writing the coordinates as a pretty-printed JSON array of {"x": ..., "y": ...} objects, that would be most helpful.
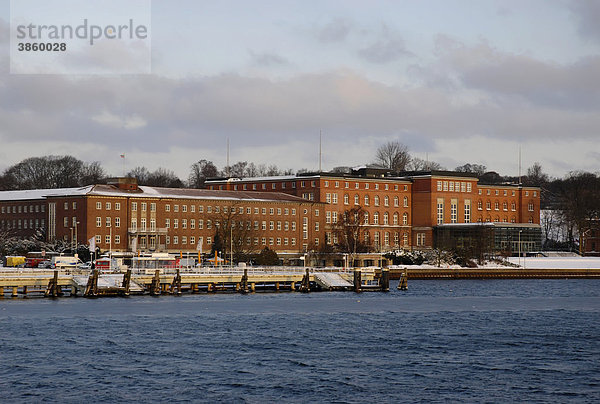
[{"x": 454, "y": 341}]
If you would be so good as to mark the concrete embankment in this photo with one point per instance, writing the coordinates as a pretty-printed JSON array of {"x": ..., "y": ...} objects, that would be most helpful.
[{"x": 495, "y": 273}]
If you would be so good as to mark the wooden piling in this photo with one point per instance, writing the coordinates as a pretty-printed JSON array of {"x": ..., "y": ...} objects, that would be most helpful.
[
  {"x": 53, "y": 289},
  {"x": 384, "y": 282},
  {"x": 403, "y": 282},
  {"x": 155, "y": 289},
  {"x": 126, "y": 282},
  {"x": 305, "y": 285},
  {"x": 91, "y": 289},
  {"x": 357, "y": 281},
  {"x": 244, "y": 282},
  {"x": 176, "y": 284}
]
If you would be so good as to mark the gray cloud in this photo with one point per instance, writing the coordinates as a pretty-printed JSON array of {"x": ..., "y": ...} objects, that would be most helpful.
[
  {"x": 386, "y": 48},
  {"x": 267, "y": 59},
  {"x": 336, "y": 30},
  {"x": 588, "y": 14},
  {"x": 509, "y": 78}
]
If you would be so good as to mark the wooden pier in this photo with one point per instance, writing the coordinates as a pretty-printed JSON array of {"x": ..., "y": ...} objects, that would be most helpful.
[
  {"x": 493, "y": 273},
  {"x": 15, "y": 283}
]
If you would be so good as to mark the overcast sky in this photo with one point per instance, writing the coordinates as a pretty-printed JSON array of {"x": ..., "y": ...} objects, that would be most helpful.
[{"x": 456, "y": 81}]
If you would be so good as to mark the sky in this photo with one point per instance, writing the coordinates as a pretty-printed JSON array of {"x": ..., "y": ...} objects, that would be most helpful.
[{"x": 456, "y": 81}]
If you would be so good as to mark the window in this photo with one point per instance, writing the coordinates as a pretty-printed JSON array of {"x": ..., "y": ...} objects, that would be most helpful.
[
  {"x": 134, "y": 206},
  {"x": 356, "y": 201},
  {"x": 386, "y": 200},
  {"x": 133, "y": 224},
  {"x": 396, "y": 201},
  {"x": 530, "y": 207},
  {"x": 167, "y": 208},
  {"x": 98, "y": 205},
  {"x": 467, "y": 211},
  {"x": 271, "y": 225},
  {"x": 153, "y": 207},
  {"x": 420, "y": 239},
  {"x": 98, "y": 239},
  {"x": 327, "y": 197},
  {"x": 108, "y": 222},
  {"x": 264, "y": 225},
  {"x": 98, "y": 221},
  {"x": 334, "y": 217},
  {"x": 445, "y": 185},
  {"x": 463, "y": 186},
  {"x": 200, "y": 224},
  {"x": 385, "y": 218},
  {"x": 366, "y": 200},
  {"x": 327, "y": 217},
  {"x": 193, "y": 223},
  {"x": 504, "y": 206},
  {"x": 440, "y": 211},
  {"x": 376, "y": 218},
  {"x": 453, "y": 211},
  {"x": 405, "y": 218},
  {"x": 376, "y": 200},
  {"x": 65, "y": 221},
  {"x": 66, "y": 207},
  {"x": 496, "y": 205},
  {"x": 117, "y": 205},
  {"x": 468, "y": 187},
  {"x": 143, "y": 224},
  {"x": 183, "y": 239},
  {"x": 513, "y": 206},
  {"x": 406, "y": 201},
  {"x": 334, "y": 198},
  {"x": 108, "y": 206},
  {"x": 451, "y": 186},
  {"x": 175, "y": 240},
  {"x": 395, "y": 219},
  {"x": 152, "y": 224},
  {"x": 184, "y": 223},
  {"x": 168, "y": 223},
  {"x": 175, "y": 209},
  {"x": 175, "y": 223},
  {"x": 316, "y": 226},
  {"x": 439, "y": 185},
  {"x": 488, "y": 205},
  {"x": 366, "y": 217},
  {"x": 107, "y": 239},
  {"x": 117, "y": 239}
]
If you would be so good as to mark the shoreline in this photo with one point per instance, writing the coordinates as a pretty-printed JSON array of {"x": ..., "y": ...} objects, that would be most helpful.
[{"x": 495, "y": 273}]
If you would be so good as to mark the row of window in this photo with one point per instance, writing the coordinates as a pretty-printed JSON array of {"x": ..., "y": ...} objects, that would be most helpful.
[
  {"x": 366, "y": 186},
  {"x": 513, "y": 206},
  {"x": 22, "y": 224},
  {"x": 23, "y": 209},
  {"x": 108, "y": 206},
  {"x": 226, "y": 209},
  {"x": 332, "y": 217},
  {"x": 332, "y": 238},
  {"x": 453, "y": 211},
  {"x": 454, "y": 186},
  {"x": 332, "y": 198},
  {"x": 505, "y": 192}
]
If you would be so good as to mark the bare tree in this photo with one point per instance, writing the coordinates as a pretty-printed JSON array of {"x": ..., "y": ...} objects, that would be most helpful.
[
  {"x": 393, "y": 155},
  {"x": 535, "y": 175},
  {"x": 418, "y": 164},
  {"x": 478, "y": 169},
  {"x": 348, "y": 230},
  {"x": 200, "y": 171},
  {"x": 235, "y": 228}
]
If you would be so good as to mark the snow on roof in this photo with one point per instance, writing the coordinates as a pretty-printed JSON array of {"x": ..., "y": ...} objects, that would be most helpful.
[
  {"x": 149, "y": 192},
  {"x": 255, "y": 179},
  {"x": 33, "y": 194},
  {"x": 186, "y": 193}
]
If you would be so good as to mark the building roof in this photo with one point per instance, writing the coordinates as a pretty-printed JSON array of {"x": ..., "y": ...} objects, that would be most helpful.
[{"x": 149, "y": 192}]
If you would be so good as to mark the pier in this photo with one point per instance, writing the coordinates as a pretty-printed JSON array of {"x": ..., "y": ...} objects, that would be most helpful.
[{"x": 54, "y": 283}]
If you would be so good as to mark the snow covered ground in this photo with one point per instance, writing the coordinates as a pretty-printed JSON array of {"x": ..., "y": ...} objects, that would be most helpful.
[{"x": 558, "y": 262}]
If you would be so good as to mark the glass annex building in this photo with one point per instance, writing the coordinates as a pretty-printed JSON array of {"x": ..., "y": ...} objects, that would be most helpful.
[{"x": 507, "y": 238}]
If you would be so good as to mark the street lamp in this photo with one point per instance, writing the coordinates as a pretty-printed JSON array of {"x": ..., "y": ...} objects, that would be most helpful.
[{"x": 520, "y": 231}]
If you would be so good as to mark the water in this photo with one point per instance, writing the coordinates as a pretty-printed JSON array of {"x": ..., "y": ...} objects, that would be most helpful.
[{"x": 461, "y": 340}]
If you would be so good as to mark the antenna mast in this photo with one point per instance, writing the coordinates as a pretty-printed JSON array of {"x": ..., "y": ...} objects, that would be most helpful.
[
  {"x": 320, "y": 134},
  {"x": 228, "y": 169}
]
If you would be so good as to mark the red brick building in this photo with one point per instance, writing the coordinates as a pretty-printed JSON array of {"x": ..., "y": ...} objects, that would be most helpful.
[{"x": 405, "y": 211}]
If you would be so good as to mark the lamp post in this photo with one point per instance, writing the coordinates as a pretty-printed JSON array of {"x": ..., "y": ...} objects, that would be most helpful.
[
  {"x": 72, "y": 239},
  {"x": 76, "y": 240},
  {"x": 520, "y": 247}
]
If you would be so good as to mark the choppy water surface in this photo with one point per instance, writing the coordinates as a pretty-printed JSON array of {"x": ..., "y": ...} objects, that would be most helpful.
[{"x": 462, "y": 340}]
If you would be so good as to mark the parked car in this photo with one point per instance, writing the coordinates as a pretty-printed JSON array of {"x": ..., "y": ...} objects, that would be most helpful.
[{"x": 45, "y": 264}]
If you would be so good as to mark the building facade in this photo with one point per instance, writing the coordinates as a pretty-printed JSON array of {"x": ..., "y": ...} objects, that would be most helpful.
[{"x": 406, "y": 211}]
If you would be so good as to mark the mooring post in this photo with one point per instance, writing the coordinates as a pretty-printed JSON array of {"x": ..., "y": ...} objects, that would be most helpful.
[
  {"x": 357, "y": 280},
  {"x": 403, "y": 282},
  {"x": 176, "y": 284},
  {"x": 126, "y": 282},
  {"x": 53, "y": 289},
  {"x": 305, "y": 285},
  {"x": 385, "y": 280},
  {"x": 15, "y": 291},
  {"x": 155, "y": 285},
  {"x": 244, "y": 282},
  {"x": 92, "y": 285}
]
